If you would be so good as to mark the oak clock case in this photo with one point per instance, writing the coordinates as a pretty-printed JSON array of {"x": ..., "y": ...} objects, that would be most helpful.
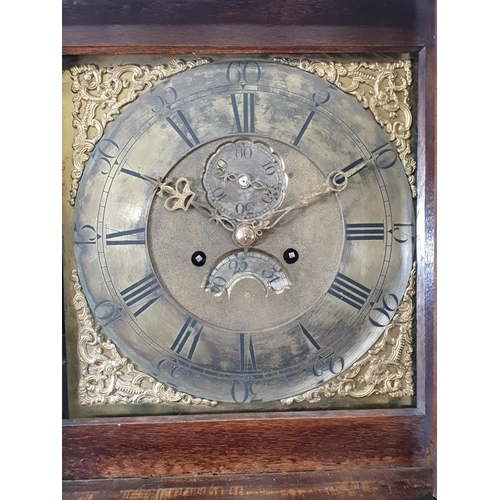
[{"x": 243, "y": 233}]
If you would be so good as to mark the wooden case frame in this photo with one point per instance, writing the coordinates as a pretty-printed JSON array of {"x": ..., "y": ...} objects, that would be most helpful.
[{"x": 365, "y": 454}]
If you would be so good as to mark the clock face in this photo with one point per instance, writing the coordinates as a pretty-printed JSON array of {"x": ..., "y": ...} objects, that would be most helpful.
[{"x": 243, "y": 231}]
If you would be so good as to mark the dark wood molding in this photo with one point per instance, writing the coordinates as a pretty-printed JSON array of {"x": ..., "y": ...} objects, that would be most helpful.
[
  {"x": 237, "y": 444},
  {"x": 216, "y": 39},
  {"x": 214, "y": 26},
  {"x": 365, "y": 454},
  {"x": 370, "y": 484}
]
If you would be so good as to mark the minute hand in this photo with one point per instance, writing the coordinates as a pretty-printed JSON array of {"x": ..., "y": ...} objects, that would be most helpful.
[
  {"x": 335, "y": 181},
  {"x": 357, "y": 166}
]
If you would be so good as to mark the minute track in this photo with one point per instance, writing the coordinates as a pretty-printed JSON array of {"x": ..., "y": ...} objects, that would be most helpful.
[{"x": 333, "y": 235}]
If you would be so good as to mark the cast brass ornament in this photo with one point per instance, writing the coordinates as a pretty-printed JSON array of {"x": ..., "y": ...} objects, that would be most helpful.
[
  {"x": 100, "y": 95},
  {"x": 248, "y": 325},
  {"x": 381, "y": 88},
  {"x": 387, "y": 368},
  {"x": 108, "y": 378}
]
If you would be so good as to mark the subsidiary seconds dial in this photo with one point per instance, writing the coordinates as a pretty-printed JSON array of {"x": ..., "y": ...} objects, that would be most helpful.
[
  {"x": 244, "y": 180},
  {"x": 251, "y": 145}
]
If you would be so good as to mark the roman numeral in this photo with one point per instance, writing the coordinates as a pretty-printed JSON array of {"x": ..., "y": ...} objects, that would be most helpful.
[
  {"x": 364, "y": 231},
  {"x": 309, "y": 336},
  {"x": 189, "y": 137},
  {"x": 248, "y": 122},
  {"x": 247, "y": 355},
  {"x": 304, "y": 127},
  {"x": 349, "y": 291},
  {"x": 121, "y": 237},
  {"x": 136, "y": 294},
  {"x": 188, "y": 337}
]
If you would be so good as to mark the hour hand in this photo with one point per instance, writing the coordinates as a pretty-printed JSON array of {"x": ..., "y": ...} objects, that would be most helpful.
[
  {"x": 179, "y": 195},
  {"x": 177, "y": 192}
]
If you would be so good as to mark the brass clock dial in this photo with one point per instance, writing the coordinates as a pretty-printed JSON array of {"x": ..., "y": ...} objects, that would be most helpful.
[{"x": 243, "y": 231}]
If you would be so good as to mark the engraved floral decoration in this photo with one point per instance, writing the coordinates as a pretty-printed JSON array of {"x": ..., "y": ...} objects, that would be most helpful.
[
  {"x": 387, "y": 368},
  {"x": 380, "y": 87},
  {"x": 106, "y": 376},
  {"x": 100, "y": 95}
]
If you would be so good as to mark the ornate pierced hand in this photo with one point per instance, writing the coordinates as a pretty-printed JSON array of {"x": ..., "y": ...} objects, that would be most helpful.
[
  {"x": 334, "y": 182},
  {"x": 178, "y": 195}
]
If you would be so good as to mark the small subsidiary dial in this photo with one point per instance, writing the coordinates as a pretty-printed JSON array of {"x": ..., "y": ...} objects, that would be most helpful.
[
  {"x": 244, "y": 180},
  {"x": 247, "y": 265}
]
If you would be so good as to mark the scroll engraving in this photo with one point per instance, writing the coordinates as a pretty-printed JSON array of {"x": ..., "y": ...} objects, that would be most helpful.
[
  {"x": 386, "y": 368},
  {"x": 106, "y": 377},
  {"x": 380, "y": 87},
  {"x": 100, "y": 95}
]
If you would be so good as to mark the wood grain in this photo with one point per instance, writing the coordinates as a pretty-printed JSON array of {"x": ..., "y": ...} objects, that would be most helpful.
[
  {"x": 237, "y": 444},
  {"x": 372, "y": 484},
  {"x": 250, "y": 39},
  {"x": 366, "y": 454},
  {"x": 259, "y": 12},
  {"x": 211, "y": 26}
]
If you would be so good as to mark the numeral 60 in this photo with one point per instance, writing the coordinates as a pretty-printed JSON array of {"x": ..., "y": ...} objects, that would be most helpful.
[
  {"x": 331, "y": 364},
  {"x": 249, "y": 72}
]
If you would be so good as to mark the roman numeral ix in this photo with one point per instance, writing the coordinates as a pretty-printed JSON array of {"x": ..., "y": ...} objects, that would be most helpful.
[{"x": 129, "y": 237}]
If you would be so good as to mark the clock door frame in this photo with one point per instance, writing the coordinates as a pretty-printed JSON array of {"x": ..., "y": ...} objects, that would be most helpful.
[{"x": 379, "y": 453}]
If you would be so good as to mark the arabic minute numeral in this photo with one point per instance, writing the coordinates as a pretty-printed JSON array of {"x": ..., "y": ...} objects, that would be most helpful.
[
  {"x": 246, "y": 391},
  {"x": 88, "y": 235},
  {"x": 381, "y": 316},
  {"x": 402, "y": 232},
  {"x": 332, "y": 364},
  {"x": 107, "y": 150},
  {"x": 243, "y": 72}
]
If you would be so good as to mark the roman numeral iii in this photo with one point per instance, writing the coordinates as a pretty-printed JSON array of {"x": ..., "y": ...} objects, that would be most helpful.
[{"x": 364, "y": 231}]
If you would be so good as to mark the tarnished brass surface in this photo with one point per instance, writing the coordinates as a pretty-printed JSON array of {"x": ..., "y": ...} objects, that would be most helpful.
[
  {"x": 383, "y": 88},
  {"x": 100, "y": 95},
  {"x": 386, "y": 368},
  {"x": 109, "y": 378}
]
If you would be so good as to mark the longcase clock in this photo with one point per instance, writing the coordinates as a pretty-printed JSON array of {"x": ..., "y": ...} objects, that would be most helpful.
[{"x": 248, "y": 249}]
